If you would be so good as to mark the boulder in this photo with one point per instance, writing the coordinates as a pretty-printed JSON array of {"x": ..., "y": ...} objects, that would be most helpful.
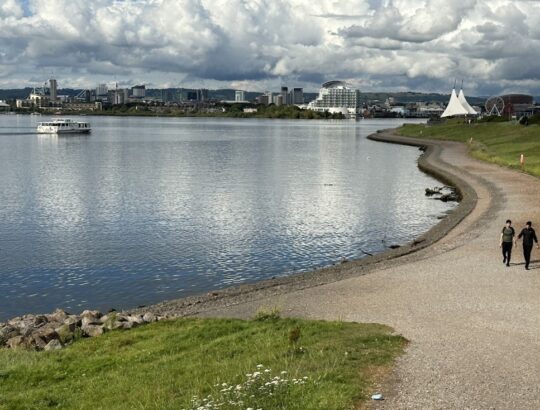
[
  {"x": 17, "y": 342},
  {"x": 54, "y": 344},
  {"x": 58, "y": 315},
  {"x": 92, "y": 330},
  {"x": 128, "y": 325},
  {"x": 47, "y": 333},
  {"x": 6, "y": 333},
  {"x": 149, "y": 317},
  {"x": 73, "y": 321},
  {"x": 65, "y": 332},
  {"x": 94, "y": 313},
  {"x": 137, "y": 319},
  {"x": 90, "y": 320},
  {"x": 36, "y": 342}
]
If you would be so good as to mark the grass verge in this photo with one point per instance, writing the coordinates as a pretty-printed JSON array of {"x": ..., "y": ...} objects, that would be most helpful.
[
  {"x": 278, "y": 364},
  {"x": 499, "y": 143}
]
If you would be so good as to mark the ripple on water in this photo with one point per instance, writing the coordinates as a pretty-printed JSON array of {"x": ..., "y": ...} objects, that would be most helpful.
[{"x": 149, "y": 209}]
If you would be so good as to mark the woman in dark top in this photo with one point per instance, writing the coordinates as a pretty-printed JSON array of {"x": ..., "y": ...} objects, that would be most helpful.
[
  {"x": 508, "y": 236},
  {"x": 529, "y": 236}
]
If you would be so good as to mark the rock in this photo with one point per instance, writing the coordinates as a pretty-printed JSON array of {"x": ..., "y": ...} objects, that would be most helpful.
[
  {"x": 394, "y": 246},
  {"x": 7, "y": 332},
  {"x": 92, "y": 330},
  {"x": 36, "y": 342},
  {"x": 90, "y": 320},
  {"x": 58, "y": 315},
  {"x": 73, "y": 321},
  {"x": 17, "y": 342},
  {"x": 433, "y": 191},
  {"x": 136, "y": 319},
  {"x": 54, "y": 344},
  {"x": 47, "y": 333},
  {"x": 451, "y": 197},
  {"x": 149, "y": 317},
  {"x": 65, "y": 332},
  {"x": 95, "y": 313},
  {"x": 128, "y": 325},
  {"x": 112, "y": 321}
]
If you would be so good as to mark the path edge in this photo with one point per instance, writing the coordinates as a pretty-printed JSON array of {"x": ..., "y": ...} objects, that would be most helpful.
[{"x": 429, "y": 162}]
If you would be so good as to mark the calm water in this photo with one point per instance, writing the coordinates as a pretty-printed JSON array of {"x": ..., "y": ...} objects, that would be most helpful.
[{"x": 147, "y": 209}]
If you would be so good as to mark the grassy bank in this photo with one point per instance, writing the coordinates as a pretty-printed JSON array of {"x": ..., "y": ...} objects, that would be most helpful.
[
  {"x": 282, "y": 363},
  {"x": 500, "y": 143}
]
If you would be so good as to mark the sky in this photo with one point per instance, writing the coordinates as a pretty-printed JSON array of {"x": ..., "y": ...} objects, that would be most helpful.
[{"x": 259, "y": 45}]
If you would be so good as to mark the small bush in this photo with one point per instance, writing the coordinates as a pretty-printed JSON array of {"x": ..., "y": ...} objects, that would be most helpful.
[{"x": 266, "y": 314}]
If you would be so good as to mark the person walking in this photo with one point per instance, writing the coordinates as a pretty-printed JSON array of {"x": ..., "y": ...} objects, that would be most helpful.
[
  {"x": 529, "y": 236},
  {"x": 508, "y": 238}
]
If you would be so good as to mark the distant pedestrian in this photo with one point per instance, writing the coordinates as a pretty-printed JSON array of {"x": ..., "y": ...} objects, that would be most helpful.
[
  {"x": 529, "y": 236},
  {"x": 508, "y": 237}
]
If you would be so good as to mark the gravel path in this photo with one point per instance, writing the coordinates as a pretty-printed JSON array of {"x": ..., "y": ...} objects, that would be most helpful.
[{"x": 474, "y": 324}]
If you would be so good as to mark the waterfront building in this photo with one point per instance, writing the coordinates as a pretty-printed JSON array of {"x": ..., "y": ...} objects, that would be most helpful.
[
  {"x": 4, "y": 106},
  {"x": 102, "y": 90},
  {"x": 454, "y": 107},
  {"x": 83, "y": 106},
  {"x": 138, "y": 91},
  {"x": 262, "y": 99},
  {"x": 337, "y": 96},
  {"x": 296, "y": 96},
  {"x": 284, "y": 95},
  {"x": 517, "y": 105},
  {"x": 278, "y": 99},
  {"x": 52, "y": 89},
  {"x": 202, "y": 94},
  {"x": 239, "y": 96}
]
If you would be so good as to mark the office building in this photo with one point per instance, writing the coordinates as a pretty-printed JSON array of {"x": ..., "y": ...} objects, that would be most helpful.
[
  {"x": 239, "y": 96},
  {"x": 284, "y": 95},
  {"x": 138, "y": 91},
  {"x": 202, "y": 94},
  {"x": 52, "y": 89},
  {"x": 102, "y": 90},
  {"x": 296, "y": 96}
]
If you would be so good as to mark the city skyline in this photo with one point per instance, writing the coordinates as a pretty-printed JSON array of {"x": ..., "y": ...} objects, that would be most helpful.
[{"x": 390, "y": 45}]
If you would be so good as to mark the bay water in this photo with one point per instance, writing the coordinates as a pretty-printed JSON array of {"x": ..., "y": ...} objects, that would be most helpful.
[{"x": 148, "y": 209}]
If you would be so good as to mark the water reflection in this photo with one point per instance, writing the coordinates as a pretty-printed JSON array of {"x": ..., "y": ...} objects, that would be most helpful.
[{"x": 143, "y": 210}]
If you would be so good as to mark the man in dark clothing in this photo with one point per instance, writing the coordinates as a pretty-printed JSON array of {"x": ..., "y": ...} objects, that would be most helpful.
[
  {"x": 508, "y": 237},
  {"x": 529, "y": 236}
]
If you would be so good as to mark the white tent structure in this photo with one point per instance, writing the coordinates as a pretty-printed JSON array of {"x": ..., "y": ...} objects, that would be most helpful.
[
  {"x": 454, "y": 106},
  {"x": 465, "y": 104}
]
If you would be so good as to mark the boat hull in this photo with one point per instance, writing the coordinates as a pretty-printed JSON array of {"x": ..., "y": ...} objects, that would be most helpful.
[{"x": 74, "y": 131}]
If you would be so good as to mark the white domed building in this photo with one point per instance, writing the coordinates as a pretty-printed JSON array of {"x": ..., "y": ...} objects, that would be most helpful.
[{"x": 337, "y": 97}]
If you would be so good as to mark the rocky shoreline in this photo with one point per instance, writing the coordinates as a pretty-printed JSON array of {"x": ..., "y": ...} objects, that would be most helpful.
[{"x": 55, "y": 330}]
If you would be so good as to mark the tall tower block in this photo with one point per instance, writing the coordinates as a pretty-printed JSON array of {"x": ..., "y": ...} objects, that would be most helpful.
[{"x": 52, "y": 88}]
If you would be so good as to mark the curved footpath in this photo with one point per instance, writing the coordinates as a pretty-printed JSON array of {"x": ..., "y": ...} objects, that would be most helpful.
[{"x": 474, "y": 324}]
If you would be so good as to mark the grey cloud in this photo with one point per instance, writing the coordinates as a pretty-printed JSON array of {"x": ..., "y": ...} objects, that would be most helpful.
[{"x": 422, "y": 44}]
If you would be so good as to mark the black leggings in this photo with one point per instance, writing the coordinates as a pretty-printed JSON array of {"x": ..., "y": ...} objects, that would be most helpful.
[
  {"x": 527, "y": 254},
  {"x": 507, "y": 250}
]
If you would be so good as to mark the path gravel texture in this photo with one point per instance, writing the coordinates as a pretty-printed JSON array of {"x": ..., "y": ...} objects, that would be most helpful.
[{"x": 473, "y": 324}]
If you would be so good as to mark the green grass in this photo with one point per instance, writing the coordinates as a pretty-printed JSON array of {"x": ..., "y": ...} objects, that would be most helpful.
[
  {"x": 500, "y": 143},
  {"x": 165, "y": 364}
]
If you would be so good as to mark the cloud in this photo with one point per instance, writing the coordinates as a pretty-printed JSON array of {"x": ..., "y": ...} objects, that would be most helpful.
[{"x": 378, "y": 44}]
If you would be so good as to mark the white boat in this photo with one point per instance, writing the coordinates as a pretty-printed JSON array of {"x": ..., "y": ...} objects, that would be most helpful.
[{"x": 63, "y": 126}]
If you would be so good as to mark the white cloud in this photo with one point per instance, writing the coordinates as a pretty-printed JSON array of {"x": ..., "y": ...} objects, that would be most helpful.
[{"x": 379, "y": 44}]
